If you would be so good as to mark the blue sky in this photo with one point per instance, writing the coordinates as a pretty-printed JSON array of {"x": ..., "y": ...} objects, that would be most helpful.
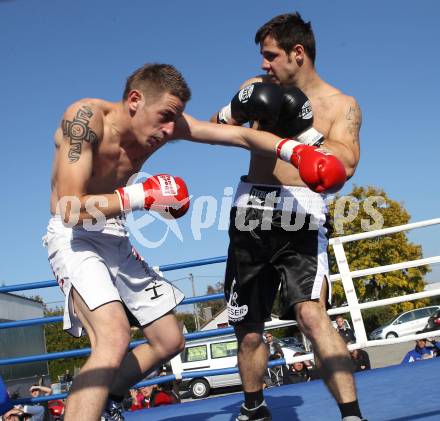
[{"x": 385, "y": 53}]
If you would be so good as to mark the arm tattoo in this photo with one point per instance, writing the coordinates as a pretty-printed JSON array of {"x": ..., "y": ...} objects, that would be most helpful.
[
  {"x": 78, "y": 131},
  {"x": 354, "y": 122}
]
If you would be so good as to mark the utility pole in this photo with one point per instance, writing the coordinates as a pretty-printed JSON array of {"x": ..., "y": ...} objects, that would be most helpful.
[{"x": 195, "y": 307}]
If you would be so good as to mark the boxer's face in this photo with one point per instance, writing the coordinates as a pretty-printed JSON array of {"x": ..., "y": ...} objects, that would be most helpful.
[
  {"x": 154, "y": 121},
  {"x": 280, "y": 66}
]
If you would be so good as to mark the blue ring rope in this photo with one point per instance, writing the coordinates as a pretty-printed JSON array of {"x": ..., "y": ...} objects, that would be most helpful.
[
  {"x": 56, "y": 319},
  {"x": 86, "y": 351},
  {"x": 164, "y": 268}
]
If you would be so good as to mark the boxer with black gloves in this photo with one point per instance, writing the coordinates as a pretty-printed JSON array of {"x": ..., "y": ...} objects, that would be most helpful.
[
  {"x": 289, "y": 252},
  {"x": 256, "y": 102},
  {"x": 284, "y": 111}
]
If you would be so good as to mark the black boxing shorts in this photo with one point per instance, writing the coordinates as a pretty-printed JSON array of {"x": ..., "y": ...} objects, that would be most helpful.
[{"x": 278, "y": 242}]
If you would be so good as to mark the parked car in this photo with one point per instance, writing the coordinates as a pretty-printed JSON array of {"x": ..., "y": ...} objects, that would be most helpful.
[
  {"x": 433, "y": 322},
  {"x": 289, "y": 350},
  {"x": 212, "y": 354},
  {"x": 405, "y": 324},
  {"x": 292, "y": 341}
]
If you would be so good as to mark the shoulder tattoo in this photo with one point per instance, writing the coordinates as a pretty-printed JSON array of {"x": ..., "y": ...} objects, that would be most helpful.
[
  {"x": 354, "y": 120},
  {"x": 78, "y": 131}
]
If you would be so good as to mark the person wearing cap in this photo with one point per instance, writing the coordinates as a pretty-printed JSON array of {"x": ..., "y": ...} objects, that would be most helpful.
[{"x": 421, "y": 350}]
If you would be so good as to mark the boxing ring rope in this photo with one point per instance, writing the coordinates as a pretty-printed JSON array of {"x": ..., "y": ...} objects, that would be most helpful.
[
  {"x": 345, "y": 275},
  {"x": 55, "y": 319},
  {"x": 164, "y": 268}
]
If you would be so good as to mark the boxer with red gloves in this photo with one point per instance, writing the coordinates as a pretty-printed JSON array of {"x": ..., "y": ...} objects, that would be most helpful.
[
  {"x": 287, "y": 252},
  {"x": 108, "y": 286},
  {"x": 321, "y": 171},
  {"x": 162, "y": 193}
]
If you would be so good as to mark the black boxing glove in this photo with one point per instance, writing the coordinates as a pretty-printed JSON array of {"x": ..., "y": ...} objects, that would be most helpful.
[
  {"x": 296, "y": 118},
  {"x": 256, "y": 102}
]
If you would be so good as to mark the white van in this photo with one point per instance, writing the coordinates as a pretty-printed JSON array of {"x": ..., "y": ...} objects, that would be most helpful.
[
  {"x": 405, "y": 324},
  {"x": 211, "y": 354}
]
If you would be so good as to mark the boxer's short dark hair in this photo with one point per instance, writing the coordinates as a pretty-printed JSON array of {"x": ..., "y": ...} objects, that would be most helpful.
[
  {"x": 288, "y": 30},
  {"x": 154, "y": 79}
]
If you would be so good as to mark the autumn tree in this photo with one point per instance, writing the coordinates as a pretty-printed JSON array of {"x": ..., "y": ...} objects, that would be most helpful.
[
  {"x": 216, "y": 305},
  {"x": 366, "y": 209},
  {"x": 188, "y": 320}
]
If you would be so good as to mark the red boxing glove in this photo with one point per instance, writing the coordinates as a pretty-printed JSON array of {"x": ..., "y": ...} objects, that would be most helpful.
[
  {"x": 320, "y": 170},
  {"x": 162, "y": 193}
]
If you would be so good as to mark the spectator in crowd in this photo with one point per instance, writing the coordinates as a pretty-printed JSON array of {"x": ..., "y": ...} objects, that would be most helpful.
[
  {"x": 421, "y": 349},
  {"x": 140, "y": 398},
  {"x": 67, "y": 377},
  {"x": 277, "y": 374},
  {"x": 163, "y": 394},
  {"x": 66, "y": 381},
  {"x": 35, "y": 410},
  {"x": 346, "y": 333},
  {"x": 146, "y": 392},
  {"x": 360, "y": 359},
  {"x": 275, "y": 350},
  {"x": 297, "y": 373},
  {"x": 13, "y": 414},
  {"x": 25, "y": 413},
  {"x": 36, "y": 391}
]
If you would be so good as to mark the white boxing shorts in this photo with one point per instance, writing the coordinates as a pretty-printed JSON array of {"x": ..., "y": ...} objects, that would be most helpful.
[{"x": 103, "y": 267}]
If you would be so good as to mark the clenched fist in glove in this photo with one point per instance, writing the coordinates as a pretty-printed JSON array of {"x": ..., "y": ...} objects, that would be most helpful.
[
  {"x": 319, "y": 169},
  {"x": 162, "y": 193}
]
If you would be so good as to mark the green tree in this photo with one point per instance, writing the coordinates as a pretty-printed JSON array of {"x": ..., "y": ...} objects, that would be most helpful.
[
  {"x": 188, "y": 320},
  {"x": 57, "y": 340},
  {"x": 216, "y": 305},
  {"x": 366, "y": 209}
]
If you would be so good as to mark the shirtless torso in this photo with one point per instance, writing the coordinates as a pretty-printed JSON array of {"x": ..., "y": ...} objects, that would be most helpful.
[
  {"x": 333, "y": 115},
  {"x": 96, "y": 150}
]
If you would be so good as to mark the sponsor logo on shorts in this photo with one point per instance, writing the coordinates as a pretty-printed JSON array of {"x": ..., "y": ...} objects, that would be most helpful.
[
  {"x": 154, "y": 288},
  {"x": 236, "y": 313},
  {"x": 245, "y": 94},
  {"x": 306, "y": 112},
  {"x": 263, "y": 195}
]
